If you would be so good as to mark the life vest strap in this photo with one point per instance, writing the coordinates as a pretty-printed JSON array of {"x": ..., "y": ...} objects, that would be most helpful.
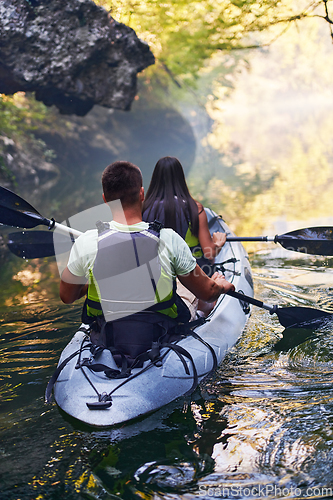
[
  {"x": 94, "y": 304},
  {"x": 53, "y": 379}
]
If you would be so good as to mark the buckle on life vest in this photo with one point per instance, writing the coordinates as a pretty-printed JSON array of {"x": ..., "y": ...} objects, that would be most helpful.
[
  {"x": 156, "y": 226},
  {"x": 102, "y": 227}
]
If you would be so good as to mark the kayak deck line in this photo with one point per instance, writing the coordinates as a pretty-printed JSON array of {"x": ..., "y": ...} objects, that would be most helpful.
[{"x": 115, "y": 401}]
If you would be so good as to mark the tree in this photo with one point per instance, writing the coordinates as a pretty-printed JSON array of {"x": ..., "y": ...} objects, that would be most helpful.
[
  {"x": 270, "y": 148},
  {"x": 184, "y": 34}
]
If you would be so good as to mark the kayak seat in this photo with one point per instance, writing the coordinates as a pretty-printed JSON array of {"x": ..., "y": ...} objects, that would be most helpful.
[
  {"x": 127, "y": 363},
  {"x": 132, "y": 335}
]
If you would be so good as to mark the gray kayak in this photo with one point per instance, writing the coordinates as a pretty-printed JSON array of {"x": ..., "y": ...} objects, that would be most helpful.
[{"x": 93, "y": 398}]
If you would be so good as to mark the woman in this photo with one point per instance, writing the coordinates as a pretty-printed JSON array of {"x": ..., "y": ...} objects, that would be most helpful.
[{"x": 169, "y": 201}]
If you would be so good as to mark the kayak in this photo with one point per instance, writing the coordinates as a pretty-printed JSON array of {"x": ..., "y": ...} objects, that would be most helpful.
[{"x": 94, "y": 399}]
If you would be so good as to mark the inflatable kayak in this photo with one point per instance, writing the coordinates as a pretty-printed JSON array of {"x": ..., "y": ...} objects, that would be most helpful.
[{"x": 90, "y": 396}]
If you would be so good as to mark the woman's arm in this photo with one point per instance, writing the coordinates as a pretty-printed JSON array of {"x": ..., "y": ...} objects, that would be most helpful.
[{"x": 211, "y": 245}]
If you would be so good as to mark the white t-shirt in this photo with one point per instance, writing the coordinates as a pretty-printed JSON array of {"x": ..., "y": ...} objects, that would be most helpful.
[{"x": 174, "y": 254}]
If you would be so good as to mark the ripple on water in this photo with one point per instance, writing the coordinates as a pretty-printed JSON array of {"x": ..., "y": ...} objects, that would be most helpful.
[{"x": 263, "y": 420}]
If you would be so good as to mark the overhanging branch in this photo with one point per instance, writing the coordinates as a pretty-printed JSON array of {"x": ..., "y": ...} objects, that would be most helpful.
[{"x": 326, "y": 17}]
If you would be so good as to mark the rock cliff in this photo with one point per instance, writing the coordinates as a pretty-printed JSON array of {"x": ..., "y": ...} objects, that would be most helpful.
[{"x": 72, "y": 54}]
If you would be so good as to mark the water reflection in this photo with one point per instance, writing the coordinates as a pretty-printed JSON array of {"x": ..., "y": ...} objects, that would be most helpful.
[{"x": 264, "y": 419}]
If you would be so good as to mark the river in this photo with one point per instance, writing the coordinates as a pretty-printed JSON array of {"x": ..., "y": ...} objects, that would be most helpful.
[{"x": 261, "y": 424}]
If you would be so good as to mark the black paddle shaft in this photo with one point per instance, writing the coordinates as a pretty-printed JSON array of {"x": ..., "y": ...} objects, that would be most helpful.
[{"x": 252, "y": 300}]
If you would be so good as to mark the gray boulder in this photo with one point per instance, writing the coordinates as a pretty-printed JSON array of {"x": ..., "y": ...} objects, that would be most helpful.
[{"x": 71, "y": 53}]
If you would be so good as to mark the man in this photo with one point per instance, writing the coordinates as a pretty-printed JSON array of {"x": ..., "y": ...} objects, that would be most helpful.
[{"x": 123, "y": 192}]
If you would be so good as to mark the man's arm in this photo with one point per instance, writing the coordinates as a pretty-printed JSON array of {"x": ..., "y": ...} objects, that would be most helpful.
[
  {"x": 203, "y": 287},
  {"x": 71, "y": 287}
]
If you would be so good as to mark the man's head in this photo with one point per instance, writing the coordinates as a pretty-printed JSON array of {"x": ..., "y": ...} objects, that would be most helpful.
[{"x": 122, "y": 181}]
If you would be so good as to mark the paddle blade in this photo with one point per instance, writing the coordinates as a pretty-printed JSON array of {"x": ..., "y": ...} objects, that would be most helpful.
[
  {"x": 293, "y": 337},
  {"x": 296, "y": 335},
  {"x": 301, "y": 317},
  {"x": 312, "y": 240},
  {"x": 36, "y": 244},
  {"x": 14, "y": 211}
]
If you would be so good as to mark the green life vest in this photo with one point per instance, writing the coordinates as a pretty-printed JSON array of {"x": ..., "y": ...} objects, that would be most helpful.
[
  {"x": 193, "y": 243},
  {"x": 127, "y": 276},
  {"x": 183, "y": 225}
]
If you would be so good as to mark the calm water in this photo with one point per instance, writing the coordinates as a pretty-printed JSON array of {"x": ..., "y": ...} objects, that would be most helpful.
[{"x": 260, "y": 427}]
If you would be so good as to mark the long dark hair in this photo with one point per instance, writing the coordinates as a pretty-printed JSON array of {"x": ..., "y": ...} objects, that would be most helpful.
[{"x": 167, "y": 182}]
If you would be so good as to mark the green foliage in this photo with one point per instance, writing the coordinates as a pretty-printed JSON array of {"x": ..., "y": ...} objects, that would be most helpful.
[
  {"x": 6, "y": 173},
  {"x": 195, "y": 42},
  {"x": 20, "y": 114},
  {"x": 184, "y": 34},
  {"x": 269, "y": 153}
]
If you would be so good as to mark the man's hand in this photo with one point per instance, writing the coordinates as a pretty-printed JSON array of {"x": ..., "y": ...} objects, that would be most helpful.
[{"x": 221, "y": 281}]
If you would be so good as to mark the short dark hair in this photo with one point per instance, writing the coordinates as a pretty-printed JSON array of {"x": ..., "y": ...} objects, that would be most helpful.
[{"x": 122, "y": 181}]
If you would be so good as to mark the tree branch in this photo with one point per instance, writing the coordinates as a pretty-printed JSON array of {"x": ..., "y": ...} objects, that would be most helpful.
[
  {"x": 169, "y": 72},
  {"x": 327, "y": 17}
]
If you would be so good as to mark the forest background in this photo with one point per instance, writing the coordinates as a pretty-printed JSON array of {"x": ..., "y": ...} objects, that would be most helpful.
[{"x": 253, "y": 79}]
